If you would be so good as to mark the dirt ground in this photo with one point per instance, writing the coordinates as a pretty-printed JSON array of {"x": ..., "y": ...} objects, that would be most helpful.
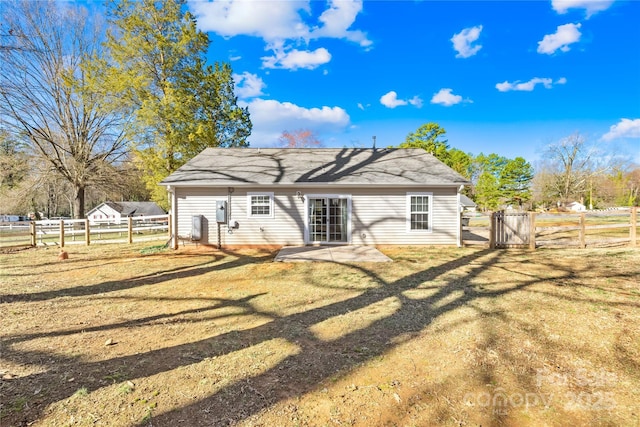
[{"x": 136, "y": 336}]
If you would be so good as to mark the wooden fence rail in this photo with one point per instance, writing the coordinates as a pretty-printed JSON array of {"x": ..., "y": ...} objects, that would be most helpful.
[
  {"x": 524, "y": 230},
  {"x": 78, "y": 231}
]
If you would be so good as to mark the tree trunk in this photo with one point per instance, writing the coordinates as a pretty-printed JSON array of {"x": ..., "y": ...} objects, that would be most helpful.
[{"x": 78, "y": 202}]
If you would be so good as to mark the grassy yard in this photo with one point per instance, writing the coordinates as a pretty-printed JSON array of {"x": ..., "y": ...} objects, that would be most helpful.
[{"x": 132, "y": 336}]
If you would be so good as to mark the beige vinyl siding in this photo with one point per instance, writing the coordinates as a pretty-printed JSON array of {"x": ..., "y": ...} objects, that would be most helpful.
[
  {"x": 378, "y": 215},
  {"x": 198, "y": 201},
  {"x": 286, "y": 227}
]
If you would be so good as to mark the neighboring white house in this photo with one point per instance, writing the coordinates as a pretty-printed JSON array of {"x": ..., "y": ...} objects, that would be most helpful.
[
  {"x": 466, "y": 204},
  {"x": 278, "y": 197},
  {"x": 576, "y": 207},
  {"x": 114, "y": 212}
]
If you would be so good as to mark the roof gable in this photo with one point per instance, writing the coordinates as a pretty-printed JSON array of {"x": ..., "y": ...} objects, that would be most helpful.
[
  {"x": 466, "y": 201},
  {"x": 131, "y": 208},
  {"x": 270, "y": 166}
]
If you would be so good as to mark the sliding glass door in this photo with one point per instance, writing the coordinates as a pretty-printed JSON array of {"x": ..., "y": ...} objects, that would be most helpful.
[{"x": 328, "y": 219}]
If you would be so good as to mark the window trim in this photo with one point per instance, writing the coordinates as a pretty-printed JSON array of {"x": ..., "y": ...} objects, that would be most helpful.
[
  {"x": 260, "y": 193},
  {"x": 429, "y": 195},
  {"x": 307, "y": 234}
]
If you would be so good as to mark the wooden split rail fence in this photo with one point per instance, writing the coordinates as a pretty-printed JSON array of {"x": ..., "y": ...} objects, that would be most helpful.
[
  {"x": 78, "y": 231},
  {"x": 531, "y": 230}
]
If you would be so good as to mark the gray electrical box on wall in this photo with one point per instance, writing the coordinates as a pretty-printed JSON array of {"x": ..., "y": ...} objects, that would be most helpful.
[
  {"x": 196, "y": 228},
  {"x": 221, "y": 212}
]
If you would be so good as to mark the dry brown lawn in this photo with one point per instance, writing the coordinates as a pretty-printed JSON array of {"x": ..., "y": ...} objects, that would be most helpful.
[{"x": 118, "y": 336}]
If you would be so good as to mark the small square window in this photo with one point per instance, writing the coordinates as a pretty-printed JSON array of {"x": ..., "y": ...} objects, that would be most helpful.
[{"x": 260, "y": 205}]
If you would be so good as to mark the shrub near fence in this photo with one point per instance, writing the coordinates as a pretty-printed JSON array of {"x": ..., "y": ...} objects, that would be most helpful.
[{"x": 81, "y": 231}]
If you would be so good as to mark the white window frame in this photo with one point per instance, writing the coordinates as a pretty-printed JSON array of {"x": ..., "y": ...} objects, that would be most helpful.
[
  {"x": 429, "y": 195},
  {"x": 249, "y": 204},
  {"x": 348, "y": 197}
]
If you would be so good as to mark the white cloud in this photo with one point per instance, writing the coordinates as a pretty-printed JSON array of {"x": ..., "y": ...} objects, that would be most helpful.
[
  {"x": 564, "y": 36},
  {"x": 283, "y": 25},
  {"x": 337, "y": 20},
  {"x": 295, "y": 59},
  {"x": 270, "y": 20},
  {"x": 390, "y": 100},
  {"x": 626, "y": 128},
  {"x": 447, "y": 98},
  {"x": 279, "y": 20},
  {"x": 270, "y": 117},
  {"x": 530, "y": 85},
  {"x": 416, "y": 101},
  {"x": 591, "y": 7},
  {"x": 248, "y": 85},
  {"x": 463, "y": 40}
]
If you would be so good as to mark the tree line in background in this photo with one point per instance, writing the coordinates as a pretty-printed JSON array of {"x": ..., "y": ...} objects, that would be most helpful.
[
  {"x": 93, "y": 108},
  {"x": 571, "y": 171}
]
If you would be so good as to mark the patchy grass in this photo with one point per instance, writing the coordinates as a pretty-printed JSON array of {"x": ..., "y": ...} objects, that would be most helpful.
[{"x": 129, "y": 335}]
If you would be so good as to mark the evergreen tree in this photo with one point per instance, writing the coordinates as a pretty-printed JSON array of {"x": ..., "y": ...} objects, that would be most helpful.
[
  {"x": 13, "y": 159},
  {"x": 515, "y": 181},
  {"x": 487, "y": 191},
  {"x": 159, "y": 73},
  {"x": 426, "y": 137},
  {"x": 460, "y": 162}
]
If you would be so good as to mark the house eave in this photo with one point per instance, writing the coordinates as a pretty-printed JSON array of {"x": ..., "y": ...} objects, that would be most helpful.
[{"x": 173, "y": 186}]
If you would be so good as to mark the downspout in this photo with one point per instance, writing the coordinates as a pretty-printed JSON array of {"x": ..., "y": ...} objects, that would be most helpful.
[
  {"x": 174, "y": 216},
  {"x": 459, "y": 210}
]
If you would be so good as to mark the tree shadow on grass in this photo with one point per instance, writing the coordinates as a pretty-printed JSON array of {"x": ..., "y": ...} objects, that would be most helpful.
[
  {"x": 296, "y": 374},
  {"x": 76, "y": 261},
  {"x": 315, "y": 361},
  {"x": 144, "y": 280},
  {"x": 174, "y": 317},
  {"x": 318, "y": 360}
]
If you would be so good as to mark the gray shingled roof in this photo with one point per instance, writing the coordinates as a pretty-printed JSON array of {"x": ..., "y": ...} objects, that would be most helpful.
[
  {"x": 341, "y": 166},
  {"x": 465, "y": 201},
  {"x": 136, "y": 208}
]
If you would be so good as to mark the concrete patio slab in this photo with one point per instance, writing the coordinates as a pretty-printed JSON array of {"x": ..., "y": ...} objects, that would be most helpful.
[{"x": 331, "y": 254}]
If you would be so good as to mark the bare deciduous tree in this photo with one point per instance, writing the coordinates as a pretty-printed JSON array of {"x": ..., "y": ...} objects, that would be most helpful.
[
  {"x": 569, "y": 166},
  {"x": 300, "y": 138},
  {"x": 49, "y": 95}
]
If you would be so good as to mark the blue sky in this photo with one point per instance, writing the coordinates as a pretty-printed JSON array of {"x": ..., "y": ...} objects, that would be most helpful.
[{"x": 504, "y": 77}]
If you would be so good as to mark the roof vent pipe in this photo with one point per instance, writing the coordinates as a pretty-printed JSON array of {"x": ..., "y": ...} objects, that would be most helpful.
[{"x": 374, "y": 142}]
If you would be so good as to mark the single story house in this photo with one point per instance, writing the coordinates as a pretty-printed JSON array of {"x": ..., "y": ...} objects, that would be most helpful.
[
  {"x": 576, "y": 207},
  {"x": 466, "y": 204},
  {"x": 115, "y": 212},
  {"x": 279, "y": 197}
]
